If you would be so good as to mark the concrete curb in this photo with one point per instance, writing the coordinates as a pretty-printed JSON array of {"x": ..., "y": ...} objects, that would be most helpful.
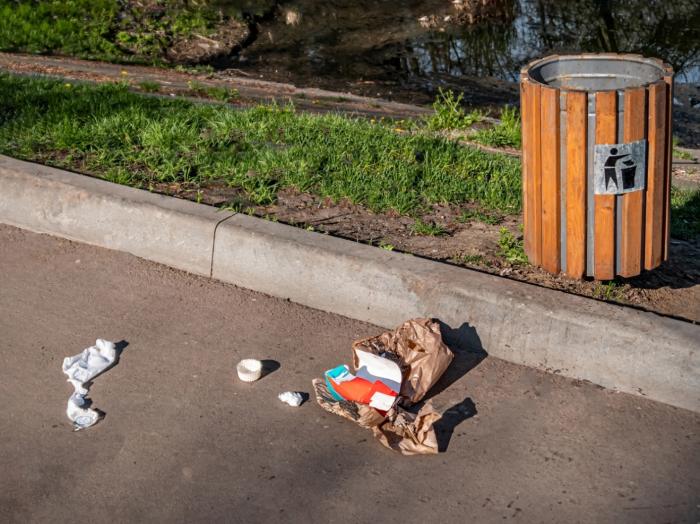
[
  {"x": 613, "y": 346},
  {"x": 174, "y": 232}
]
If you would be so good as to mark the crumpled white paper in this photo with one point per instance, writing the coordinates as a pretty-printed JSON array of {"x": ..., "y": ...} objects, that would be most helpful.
[
  {"x": 291, "y": 398},
  {"x": 81, "y": 369}
]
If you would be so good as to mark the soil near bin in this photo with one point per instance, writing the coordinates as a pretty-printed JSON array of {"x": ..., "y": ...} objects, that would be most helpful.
[{"x": 672, "y": 289}]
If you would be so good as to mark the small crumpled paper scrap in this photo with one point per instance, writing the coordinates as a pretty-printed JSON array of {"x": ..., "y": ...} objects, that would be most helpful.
[
  {"x": 292, "y": 398},
  {"x": 417, "y": 347},
  {"x": 81, "y": 369}
]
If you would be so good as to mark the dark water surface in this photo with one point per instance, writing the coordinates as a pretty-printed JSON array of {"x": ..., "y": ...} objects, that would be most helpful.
[
  {"x": 427, "y": 43},
  {"x": 406, "y": 49}
]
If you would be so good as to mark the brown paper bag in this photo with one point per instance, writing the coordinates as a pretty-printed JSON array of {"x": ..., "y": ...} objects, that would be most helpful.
[
  {"x": 409, "y": 433},
  {"x": 417, "y": 347},
  {"x": 400, "y": 430}
]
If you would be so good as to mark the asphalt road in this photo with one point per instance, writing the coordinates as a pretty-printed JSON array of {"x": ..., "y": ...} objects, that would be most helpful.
[{"x": 184, "y": 441}]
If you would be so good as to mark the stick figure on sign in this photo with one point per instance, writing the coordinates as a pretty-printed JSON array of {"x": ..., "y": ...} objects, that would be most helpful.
[{"x": 622, "y": 164}]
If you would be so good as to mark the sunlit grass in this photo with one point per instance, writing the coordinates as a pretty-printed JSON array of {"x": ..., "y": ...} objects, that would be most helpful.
[
  {"x": 138, "y": 140},
  {"x": 506, "y": 133},
  {"x": 685, "y": 213},
  {"x": 449, "y": 113}
]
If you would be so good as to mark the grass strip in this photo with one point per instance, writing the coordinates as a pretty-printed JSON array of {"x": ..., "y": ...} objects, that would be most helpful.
[
  {"x": 685, "y": 213},
  {"x": 137, "y": 140},
  {"x": 111, "y": 30},
  {"x": 504, "y": 134},
  {"x": 449, "y": 113}
]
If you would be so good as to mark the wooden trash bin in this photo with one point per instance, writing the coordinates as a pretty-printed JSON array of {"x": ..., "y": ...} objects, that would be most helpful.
[{"x": 596, "y": 163}]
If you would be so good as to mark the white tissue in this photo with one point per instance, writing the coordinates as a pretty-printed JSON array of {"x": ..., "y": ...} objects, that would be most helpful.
[
  {"x": 82, "y": 368},
  {"x": 82, "y": 417},
  {"x": 291, "y": 398}
]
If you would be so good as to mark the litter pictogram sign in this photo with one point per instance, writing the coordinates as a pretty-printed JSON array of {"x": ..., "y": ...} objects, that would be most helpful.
[{"x": 619, "y": 168}]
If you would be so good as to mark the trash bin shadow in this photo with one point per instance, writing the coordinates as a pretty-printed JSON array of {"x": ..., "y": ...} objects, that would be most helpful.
[
  {"x": 468, "y": 353},
  {"x": 682, "y": 269},
  {"x": 451, "y": 418}
]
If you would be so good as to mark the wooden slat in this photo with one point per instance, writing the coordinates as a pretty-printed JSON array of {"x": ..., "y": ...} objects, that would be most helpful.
[
  {"x": 632, "y": 203},
  {"x": 526, "y": 166},
  {"x": 669, "y": 158},
  {"x": 534, "y": 184},
  {"x": 604, "y": 242},
  {"x": 551, "y": 181},
  {"x": 576, "y": 133},
  {"x": 654, "y": 230}
]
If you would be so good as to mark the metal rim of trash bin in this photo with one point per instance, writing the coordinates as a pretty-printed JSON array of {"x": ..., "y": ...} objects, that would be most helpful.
[{"x": 569, "y": 104}]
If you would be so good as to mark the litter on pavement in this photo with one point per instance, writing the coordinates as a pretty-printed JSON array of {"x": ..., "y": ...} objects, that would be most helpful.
[
  {"x": 249, "y": 369},
  {"x": 81, "y": 369},
  {"x": 392, "y": 372},
  {"x": 376, "y": 383},
  {"x": 291, "y": 398}
]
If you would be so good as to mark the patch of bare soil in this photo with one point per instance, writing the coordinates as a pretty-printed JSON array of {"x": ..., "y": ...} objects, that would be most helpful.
[
  {"x": 687, "y": 176},
  {"x": 200, "y": 49},
  {"x": 673, "y": 289}
]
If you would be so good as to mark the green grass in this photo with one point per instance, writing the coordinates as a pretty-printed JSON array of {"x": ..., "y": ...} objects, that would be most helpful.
[
  {"x": 677, "y": 153},
  {"x": 470, "y": 259},
  {"x": 102, "y": 29},
  {"x": 139, "y": 140},
  {"x": 608, "y": 291},
  {"x": 197, "y": 69},
  {"x": 449, "y": 113},
  {"x": 685, "y": 213},
  {"x": 511, "y": 248},
  {"x": 221, "y": 93},
  {"x": 77, "y": 27},
  {"x": 427, "y": 229},
  {"x": 149, "y": 87},
  {"x": 504, "y": 134}
]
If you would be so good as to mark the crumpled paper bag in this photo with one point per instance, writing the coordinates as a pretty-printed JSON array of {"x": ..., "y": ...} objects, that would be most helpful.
[{"x": 417, "y": 347}]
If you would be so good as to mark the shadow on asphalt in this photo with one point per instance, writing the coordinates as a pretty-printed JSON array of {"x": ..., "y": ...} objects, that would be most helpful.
[
  {"x": 120, "y": 347},
  {"x": 465, "y": 343},
  {"x": 451, "y": 418},
  {"x": 466, "y": 346},
  {"x": 269, "y": 366}
]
